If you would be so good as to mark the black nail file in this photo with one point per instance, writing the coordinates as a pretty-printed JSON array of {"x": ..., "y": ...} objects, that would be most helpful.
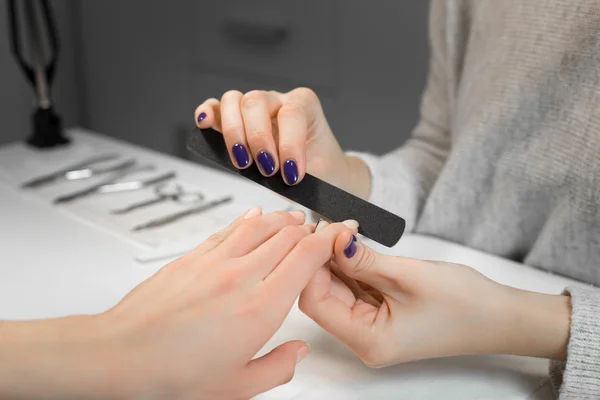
[{"x": 319, "y": 196}]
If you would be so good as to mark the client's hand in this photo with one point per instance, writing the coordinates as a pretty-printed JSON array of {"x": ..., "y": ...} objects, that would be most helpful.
[
  {"x": 390, "y": 310},
  {"x": 189, "y": 331}
]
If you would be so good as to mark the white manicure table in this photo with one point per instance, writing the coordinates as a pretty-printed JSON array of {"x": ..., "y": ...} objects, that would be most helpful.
[{"x": 55, "y": 262}]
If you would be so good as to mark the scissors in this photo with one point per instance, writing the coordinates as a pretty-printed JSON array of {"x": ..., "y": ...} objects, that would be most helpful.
[{"x": 163, "y": 193}]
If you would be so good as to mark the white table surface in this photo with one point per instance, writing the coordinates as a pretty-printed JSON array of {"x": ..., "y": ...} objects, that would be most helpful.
[{"x": 54, "y": 264}]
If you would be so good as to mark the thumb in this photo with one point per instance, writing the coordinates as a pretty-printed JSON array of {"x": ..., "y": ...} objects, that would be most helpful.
[
  {"x": 275, "y": 368},
  {"x": 364, "y": 264}
]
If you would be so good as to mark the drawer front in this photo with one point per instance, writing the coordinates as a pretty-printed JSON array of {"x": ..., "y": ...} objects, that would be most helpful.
[{"x": 266, "y": 39}]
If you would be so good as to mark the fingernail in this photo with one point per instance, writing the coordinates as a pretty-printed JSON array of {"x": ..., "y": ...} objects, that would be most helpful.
[
  {"x": 241, "y": 155},
  {"x": 253, "y": 212},
  {"x": 201, "y": 116},
  {"x": 290, "y": 172},
  {"x": 352, "y": 224},
  {"x": 302, "y": 353},
  {"x": 266, "y": 163},
  {"x": 322, "y": 224},
  {"x": 299, "y": 215},
  {"x": 350, "y": 250}
]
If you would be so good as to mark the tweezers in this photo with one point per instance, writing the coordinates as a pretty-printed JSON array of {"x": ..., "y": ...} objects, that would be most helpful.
[{"x": 176, "y": 216}]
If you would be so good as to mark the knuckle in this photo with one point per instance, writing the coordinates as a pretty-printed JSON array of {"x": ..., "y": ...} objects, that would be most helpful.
[
  {"x": 253, "y": 98},
  {"x": 230, "y": 128},
  {"x": 306, "y": 93},
  {"x": 365, "y": 261},
  {"x": 252, "y": 306},
  {"x": 228, "y": 281},
  {"x": 231, "y": 95},
  {"x": 292, "y": 233},
  {"x": 290, "y": 109},
  {"x": 287, "y": 147},
  {"x": 308, "y": 245},
  {"x": 215, "y": 238},
  {"x": 250, "y": 225},
  {"x": 282, "y": 214},
  {"x": 259, "y": 137}
]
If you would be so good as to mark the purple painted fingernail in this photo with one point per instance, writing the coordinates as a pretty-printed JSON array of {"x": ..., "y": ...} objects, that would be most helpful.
[
  {"x": 350, "y": 250},
  {"x": 241, "y": 155},
  {"x": 201, "y": 116},
  {"x": 266, "y": 163},
  {"x": 290, "y": 172}
]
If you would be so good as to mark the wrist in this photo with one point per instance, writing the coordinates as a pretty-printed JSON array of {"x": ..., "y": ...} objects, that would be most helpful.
[
  {"x": 360, "y": 177},
  {"x": 533, "y": 324},
  {"x": 59, "y": 358}
]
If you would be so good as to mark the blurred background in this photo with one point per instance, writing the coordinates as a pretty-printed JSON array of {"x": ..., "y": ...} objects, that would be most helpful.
[{"x": 136, "y": 69}]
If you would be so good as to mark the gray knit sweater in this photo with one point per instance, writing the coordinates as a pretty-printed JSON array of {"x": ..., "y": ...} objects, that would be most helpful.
[{"x": 506, "y": 156}]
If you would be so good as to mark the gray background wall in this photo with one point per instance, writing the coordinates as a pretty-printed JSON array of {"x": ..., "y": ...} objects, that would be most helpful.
[{"x": 137, "y": 69}]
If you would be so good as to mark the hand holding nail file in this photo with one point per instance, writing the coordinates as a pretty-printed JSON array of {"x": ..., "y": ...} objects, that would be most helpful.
[{"x": 319, "y": 196}]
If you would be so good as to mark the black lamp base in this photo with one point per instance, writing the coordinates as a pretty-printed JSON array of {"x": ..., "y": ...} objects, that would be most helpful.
[{"x": 47, "y": 130}]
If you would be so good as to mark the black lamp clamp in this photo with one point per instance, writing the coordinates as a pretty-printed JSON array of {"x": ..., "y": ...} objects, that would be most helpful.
[{"x": 46, "y": 124}]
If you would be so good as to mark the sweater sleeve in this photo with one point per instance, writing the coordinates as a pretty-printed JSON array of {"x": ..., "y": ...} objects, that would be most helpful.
[
  {"x": 579, "y": 376},
  {"x": 401, "y": 180}
]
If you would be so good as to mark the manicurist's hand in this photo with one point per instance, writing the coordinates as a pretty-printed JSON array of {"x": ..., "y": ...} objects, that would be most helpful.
[
  {"x": 285, "y": 132},
  {"x": 390, "y": 310},
  {"x": 188, "y": 332}
]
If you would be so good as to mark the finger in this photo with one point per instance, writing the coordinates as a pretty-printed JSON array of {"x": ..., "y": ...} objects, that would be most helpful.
[
  {"x": 289, "y": 278},
  {"x": 295, "y": 116},
  {"x": 354, "y": 286},
  {"x": 218, "y": 238},
  {"x": 208, "y": 114},
  {"x": 257, "y": 108},
  {"x": 275, "y": 368},
  {"x": 349, "y": 323},
  {"x": 340, "y": 289},
  {"x": 253, "y": 232},
  {"x": 363, "y": 264},
  {"x": 233, "y": 129},
  {"x": 269, "y": 254}
]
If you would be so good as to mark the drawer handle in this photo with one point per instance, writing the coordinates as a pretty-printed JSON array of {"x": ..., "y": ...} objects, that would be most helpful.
[{"x": 255, "y": 32}]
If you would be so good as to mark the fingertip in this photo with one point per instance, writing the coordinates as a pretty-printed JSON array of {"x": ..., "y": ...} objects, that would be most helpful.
[
  {"x": 352, "y": 224},
  {"x": 321, "y": 224},
  {"x": 290, "y": 172},
  {"x": 342, "y": 242},
  {"x": 299, "y": 215},
  {"x": 203, "y": 117},
  {"x": 240, "y": 157},
  {"x": 311, "y": 227},
  {"x": 253, "y": 212},
  {"x": 302, "y": 352}
]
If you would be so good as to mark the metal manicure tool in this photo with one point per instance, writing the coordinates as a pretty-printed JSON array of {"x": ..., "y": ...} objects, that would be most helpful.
[
  {"x": 81, "y": 170},
  {"x": 168, "y": 219},
  {"x": 118, "y": 187},
  {"x": 112, "y": 186},
  {"x": 164, "y": 193}
]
